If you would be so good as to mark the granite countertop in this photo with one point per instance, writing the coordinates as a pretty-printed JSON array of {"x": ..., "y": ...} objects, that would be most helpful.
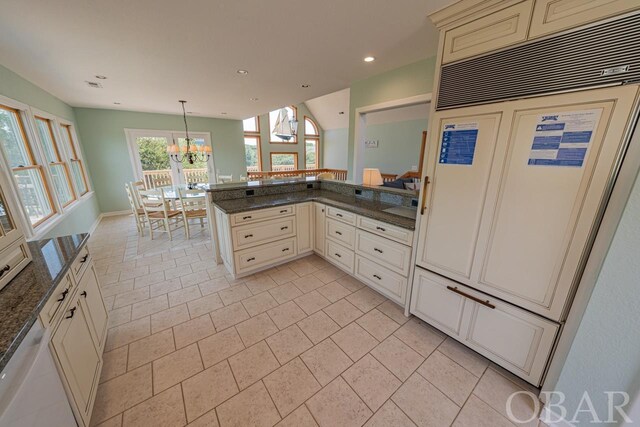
[
  {"x": 364, "y": 207},
  {"x": 22, "y": 299}
]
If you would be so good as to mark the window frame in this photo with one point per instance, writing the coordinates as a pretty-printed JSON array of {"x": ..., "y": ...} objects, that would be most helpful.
[
  {"x": 254, "y": 134},
  {"x": 314, "y": 137},
  {"x": 293, "y": 153},
  {"x": 295, "y": 137}
]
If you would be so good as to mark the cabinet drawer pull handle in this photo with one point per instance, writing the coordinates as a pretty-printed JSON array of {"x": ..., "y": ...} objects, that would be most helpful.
[
  {"x": 322, "y": 210},
  {"x": 283, "y": 228},
  {"x": 339, "y": 214},
  {"x": 251, "y": 259},
  {"x": 471, "y": 297},
  {"x": 381, "y": 228},
  {"x": 338, "y": 255},
  {"x": 5, "y": 269},
  {"x": 72, "y": 312},
  {"x": 284, "y": 211},
  {"x": 83, "y": 293},
  {"x": 338, "y": 233},
  {"x": 64, "y": 295},
  {"x": 285, "y": 249},
  {"x": 246, "y": 236},
  {"x": 246, "y": 217},
  {"x": 424, "y": 195},
  {"x": 377, "y": 250},
  {"x": 377, "y": 277},
  {"x": 84, "y": 258}
]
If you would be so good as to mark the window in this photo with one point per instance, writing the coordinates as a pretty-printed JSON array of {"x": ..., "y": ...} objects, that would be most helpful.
[
  {"x": 28, "y": 173},
  {"x": 273, "y": 117},
  {"x": 77, "y": 168},
  {"x": 252, "y": 151},
  {"x": 57, "y": 166},
  {"x": 281, "y": 162},
  {"x": 311, "y": 143}
]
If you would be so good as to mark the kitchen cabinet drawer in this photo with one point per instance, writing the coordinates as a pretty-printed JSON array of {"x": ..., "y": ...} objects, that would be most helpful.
[
  {"x": 515, "y": 339},
  {"x": 381, "y": 279},
  {"x": 260, "y": 215},
  {"x": 551, "y": 16},
  {"x": 340, "y": 256},
  {"x": 58, "y": 301},
  {"x": 12, "y": 260},
  {"x": 341, "y": 233},
  {"x": 247, "y": 236},
  {"x": 390, "y": 254},
  {"x": 81, "y": 262},
  {"x": 392, "y": 232},
  {"x": 495, "y": 31},
  {"x": 271, "y": 253},
  {"x": 341, "y": 215}
]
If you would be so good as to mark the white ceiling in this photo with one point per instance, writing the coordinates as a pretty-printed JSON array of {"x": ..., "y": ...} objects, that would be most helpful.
[
  {"x": 327, "y": 108},
  {"x": 155, "y": 52}
]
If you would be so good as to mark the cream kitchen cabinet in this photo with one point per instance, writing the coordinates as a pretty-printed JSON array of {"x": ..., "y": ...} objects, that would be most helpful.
[
  {"x": 14, "y": 252},
  {"x": 305, "y": 230},
  {"x": 514, "y": 338},
  {"x": 552, "y": 16},
  {"x": 319, "y": 227}
]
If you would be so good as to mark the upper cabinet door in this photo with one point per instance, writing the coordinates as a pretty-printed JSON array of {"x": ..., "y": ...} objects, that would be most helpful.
[
  {"x": 495, "y": 31},
  {"x": 465, "y": 141},
  {"x": 562, "y": 152},
  {"x": 551, "y": 16}
]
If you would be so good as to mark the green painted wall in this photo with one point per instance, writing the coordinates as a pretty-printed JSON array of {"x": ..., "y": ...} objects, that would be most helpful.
[
  {"x": 398, "y": 145},
  {"x": 335, "y": 148},
  {"x": 605, "y": 354},
  {"x": 267, "y": 148},
  {"x": 410, "y": 80},
  {"x": 105, "y": 146},
  {"x": 82, "y": 217}
]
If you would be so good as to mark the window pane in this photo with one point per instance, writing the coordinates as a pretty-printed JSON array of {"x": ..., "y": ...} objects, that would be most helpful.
[
  {"x": 283, "y": 162},
  {"x": 309, "y": 127},
  {"x": 65, "y": 133},
  {"x": 250, "y": 124},
  {"x": 6, "y": 225},
  {"x": 153, "y": 153},
  {"x": 34, "y": 196},
  {"x": 47, "y": 141},
  {"x": 12, "y": 139},
  {"x": 251, "y": 153},
  {"x": 77, "y": 173},
  {"x": 311, "y": 149},
  {"x": 273, "y": 118},
  {"x": 60, "y": 184}
]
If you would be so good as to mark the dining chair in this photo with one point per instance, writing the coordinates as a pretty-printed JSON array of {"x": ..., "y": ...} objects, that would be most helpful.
[
  {"x": 136, "y": 208},
  {"x": 194, "y": 206},
  {"x": 159, "y": 214}
]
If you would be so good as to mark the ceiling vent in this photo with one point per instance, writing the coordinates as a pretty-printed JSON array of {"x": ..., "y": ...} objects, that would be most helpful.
[{"x": 94, "y": 85}]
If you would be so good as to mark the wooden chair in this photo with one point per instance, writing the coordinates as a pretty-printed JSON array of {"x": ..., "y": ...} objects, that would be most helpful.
[
  {"x": 158, "y": 213},
  {"x": 194, "y": 206},
  {"x": 136, "y": 208}
]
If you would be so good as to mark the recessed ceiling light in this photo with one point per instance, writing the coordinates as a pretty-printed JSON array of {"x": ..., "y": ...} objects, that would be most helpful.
[
  {"x": 253, "y": 99},
  {"x": 369, "y": 58},
  {"x": 101, "y": 77},
  {"x": 242, "y": 72},
  {"x": 341, "y": 112},
  {"x": 305, "y": 86},
  {"x": 117, "y": 103}
]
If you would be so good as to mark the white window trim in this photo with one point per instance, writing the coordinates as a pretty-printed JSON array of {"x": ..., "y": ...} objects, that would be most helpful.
[
  {"x": 171, "y": 135},
  {"x": 28, "y": 113}
]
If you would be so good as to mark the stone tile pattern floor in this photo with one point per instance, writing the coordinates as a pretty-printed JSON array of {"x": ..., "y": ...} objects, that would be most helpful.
[{"x": 298, "y": 345}]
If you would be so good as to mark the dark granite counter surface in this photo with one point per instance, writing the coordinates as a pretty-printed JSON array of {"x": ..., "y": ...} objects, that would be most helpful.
[
  {"x": 369, "y": 208},
  {"x": 22, "y": 299}
]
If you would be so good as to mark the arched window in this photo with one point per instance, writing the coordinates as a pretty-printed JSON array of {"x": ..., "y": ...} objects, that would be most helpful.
[{"x": 311, "y": 144}]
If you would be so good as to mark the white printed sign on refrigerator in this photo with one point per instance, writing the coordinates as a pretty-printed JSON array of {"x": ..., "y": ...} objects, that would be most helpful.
[
  {"x": 458, "y": 144},
  {"x": 562, "y": 139}
]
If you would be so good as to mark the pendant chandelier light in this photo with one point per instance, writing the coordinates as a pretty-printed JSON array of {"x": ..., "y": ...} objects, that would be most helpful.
[
  {"x": 190, "y": 152},
  {"x": 285, "y": 127}
]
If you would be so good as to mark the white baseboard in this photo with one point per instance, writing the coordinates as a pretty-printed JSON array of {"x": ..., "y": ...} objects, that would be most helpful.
[
  {"x": 116, "y": 213},
  {"x": 549, "y": 414}
]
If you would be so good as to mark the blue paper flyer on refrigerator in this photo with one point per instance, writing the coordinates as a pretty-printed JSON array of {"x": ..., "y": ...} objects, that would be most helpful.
[
  {"x": 458, "y": 143},
  {"x": 562, "y": 139}
]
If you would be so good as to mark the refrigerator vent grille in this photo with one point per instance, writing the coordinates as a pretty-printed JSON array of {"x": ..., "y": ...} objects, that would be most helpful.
[{"x": 603, "y": 54}]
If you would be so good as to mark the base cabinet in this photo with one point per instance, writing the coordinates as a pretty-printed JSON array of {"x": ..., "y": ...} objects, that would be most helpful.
[
  {"x": 304, "y": 227},
  {"x": 514, "y": 338},
  {"x": 319, "y": 227}
]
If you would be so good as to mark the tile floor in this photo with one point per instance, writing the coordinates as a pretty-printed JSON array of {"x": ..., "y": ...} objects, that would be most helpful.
[{"x": 299, "y": 345}]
